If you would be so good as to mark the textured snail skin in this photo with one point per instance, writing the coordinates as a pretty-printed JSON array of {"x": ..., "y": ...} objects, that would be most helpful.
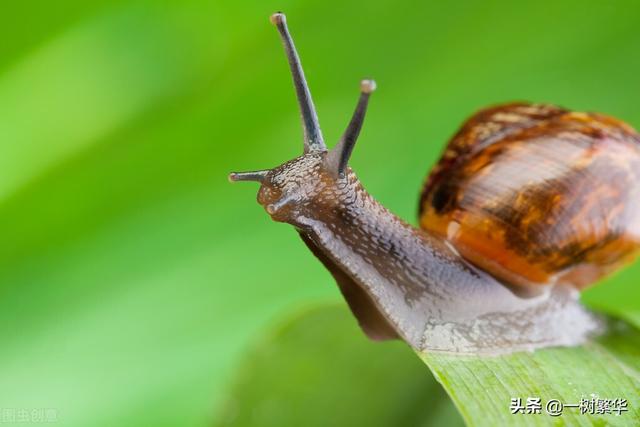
[
  {"x": 402, "y": 282},
  {"x": 536, "y": 194}
]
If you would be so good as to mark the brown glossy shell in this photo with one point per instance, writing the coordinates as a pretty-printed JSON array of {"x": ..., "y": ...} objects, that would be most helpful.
[{"x": 535, "y": 194}]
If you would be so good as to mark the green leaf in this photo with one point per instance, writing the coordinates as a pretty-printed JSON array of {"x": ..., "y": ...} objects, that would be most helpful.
[
  {"x": 605, "y": 368},
  {"x": 318, "y": 369}
]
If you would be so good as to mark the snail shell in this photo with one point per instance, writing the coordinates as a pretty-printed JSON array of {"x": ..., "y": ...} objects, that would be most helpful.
[{"x": 535, "y": 194}]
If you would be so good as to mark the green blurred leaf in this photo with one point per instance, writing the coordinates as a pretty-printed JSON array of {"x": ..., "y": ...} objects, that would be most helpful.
[
  {"x": 317, "y": 369},
  {"x": 81, "y": 86}
]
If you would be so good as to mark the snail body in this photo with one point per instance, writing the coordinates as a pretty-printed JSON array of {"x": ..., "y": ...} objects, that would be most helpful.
[{"x": 450, "y": 286}]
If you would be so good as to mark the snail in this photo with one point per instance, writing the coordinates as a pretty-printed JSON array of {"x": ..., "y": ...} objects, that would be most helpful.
[{"x": 528, "y": 205}]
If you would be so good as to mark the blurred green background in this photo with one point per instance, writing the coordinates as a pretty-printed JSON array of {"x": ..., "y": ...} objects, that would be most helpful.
[{"x": 133, "y": 276}]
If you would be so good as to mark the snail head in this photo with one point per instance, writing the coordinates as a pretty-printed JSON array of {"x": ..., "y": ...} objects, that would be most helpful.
[{"x": 315, "y": 178}]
